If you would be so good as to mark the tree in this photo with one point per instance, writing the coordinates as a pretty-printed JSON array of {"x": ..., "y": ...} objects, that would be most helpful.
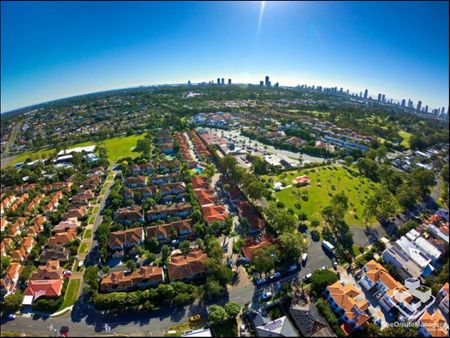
[
  {"x": 217, "y": 314},
  {"x": 382, "y": 204},
  {"x": 348, "y": 160},
  {"x": 315, "y": 223},
  {"x": 165, "y": 250},
  {"x": 12, "y": 302},
  {"x": 320, "y": 279},
  {"x": 212, "y": 288},
  {"x": 265, "y": 259},
  {"x": 232, "y": 309},
  {"x": 423, "y": 179},
  {"x": 91, "y": 277},
  {"x": 144, "y": 146},
  {"x": 368, "y": 167},
  {"x": 131, "y": 265},
  {"x": 184, "y": 247},
  {"x": 280, "y": 220},
  {"x": 292, "y": 246},
  {"x": 5, "y": 262}
]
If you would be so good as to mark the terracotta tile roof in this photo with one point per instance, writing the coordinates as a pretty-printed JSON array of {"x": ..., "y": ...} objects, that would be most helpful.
[
  {"x": 200, "y": 182},
  {"x": 44, "y": 288},
  {"x": 76, "y": 212},
  {"x": 3, "y": 223},
  {"x": 181, "y": 267},
  {"x": 51, "y": 270},
  {"x": 13, "y": 270},
  {"x": 205, "y": 197},
  {"x": 377, "y": 272},
  {"x": 251, "y": 245},
  {"x": 246, "y": 210},
  {"x": 121, "y": 281},
  {"x": 61, "y": 238},
  {"x": 345, "y": 296},
  {"x": 435, "y": 324},
  {"x": 129, "y": 215},
  {"x": 68, "y": 224},
  {"x": 164, "y": 230},
  {"x": 126, "y": 238},
  {"x": 212, "y": 213}
]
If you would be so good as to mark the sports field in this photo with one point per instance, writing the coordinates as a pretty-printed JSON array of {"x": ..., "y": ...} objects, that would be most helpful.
[{"x": 325, "y": 182}]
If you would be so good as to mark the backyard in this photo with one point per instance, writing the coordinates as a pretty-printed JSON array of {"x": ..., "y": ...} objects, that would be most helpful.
[{"x": 325, "y": 182}]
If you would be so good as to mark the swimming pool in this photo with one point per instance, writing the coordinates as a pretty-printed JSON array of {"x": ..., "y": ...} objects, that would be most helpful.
[{"x": 199, "y": 170}]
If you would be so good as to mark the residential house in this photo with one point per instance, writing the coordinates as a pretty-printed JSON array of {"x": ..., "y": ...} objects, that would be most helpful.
[
  {"x": 119, "y": 240},
  {"x": 53, "y": 202},
  {"x": 206, "y": 196},
  {"x": 61, "y": 238},
  {"x": 252, "y": 244},
  {"x": 135, "y": 182},
  {"x": 141, "y": 278},
  {"x": 433, "y": 324},
  {"x": 67, "y": 225},
  {"x": 59, "y": 253},
  {"x": 175, "y": 210},
  {"x": 6, "y": 245},
  {"x": 349, "y": 305},
  {"x": 17, "y": 226},
  {"x": 37, "y": 226},
  {"x": 281, "y": 327},
  {"x": 404, "y": 266},
  {"x": 50, "y": 288},
  {"x": 3, "y": 223},
  {"x": 6, "y": 203},
  {"x": 443, "y": 297},
  {"x": 172, "y": 188},
  {"x": 164, "y": 179},
  {"x": 129, "y": 216},
  {"x": 309, "y": 322},
  {"x": 181, "y": 229},
  {"x": 51, "y": 270},
  {"x": 34, "y": 203},
  {"x": 9, "y": 282},
  {"x": 17, "y": 203},
  {"x": 249, "y": 212},
  {"x": 214, "y": 213},
  {"x": 77, "y": 213},
  {"x": 200, "y": 182},
  {"x": 82, "y": 198},
  {"x": 191, "y": 266}
]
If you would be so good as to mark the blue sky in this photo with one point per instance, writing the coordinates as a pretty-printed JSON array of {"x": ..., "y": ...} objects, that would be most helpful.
[{"x": 54, "y": 50}]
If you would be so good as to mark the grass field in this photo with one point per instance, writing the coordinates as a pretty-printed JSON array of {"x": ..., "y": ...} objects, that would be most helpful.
[
  {"x": 326, "y": 182},
  {"x": 83, "y": 248},
  {"x": 116, "y": 147},
  {"x": 71, "y": 293},
  {"x": 183, "y": 327},
  {"x": 87, "y": 233},
  {"x": 405, "y": 136}
]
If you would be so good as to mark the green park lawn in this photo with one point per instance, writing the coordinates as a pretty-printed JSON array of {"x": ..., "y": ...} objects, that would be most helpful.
[
  {"x": 71, "y": 293},
  {"x": 325, "y": 182},
  {"x": 83, "y": 248},
  {"x": 87, "y": 233},
  {"x": 116, "y": 147},
  {"x": 405, "y": 136}
]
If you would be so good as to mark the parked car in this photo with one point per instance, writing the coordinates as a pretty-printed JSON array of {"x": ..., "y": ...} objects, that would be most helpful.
[
  {"x": 323, "y": 267},
  {"x": 293, "y": 267},
  {"x": 260, "y": 281},
  {"x": 11, "y": 316},
  {"x": 304, "y": 258},
  {"x": 275, "y": 275},
  {"x": 307, "y": 277},
  {"x": 335, "y": 264},
  {"x": 194, "y": 318},
  {"x": 266, "y": 295},
  {"x": 63, "y": 332}
]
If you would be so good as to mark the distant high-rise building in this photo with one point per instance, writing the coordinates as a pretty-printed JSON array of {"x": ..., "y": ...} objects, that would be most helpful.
[
  {"x": 267, "y": 82},
  {"x": 276, "y": 85},
  {"x": 341, "y": 90},
  {"x": 366, "y": 92},
  {"x": 348, "y": 91},
  {"x": 360, "y": 94},
  {"x": 222, "y": 81},
  {"x": 403, "y": 102},
  {"x": 379, "y": 97},
  {"x": 189, "y": 82},
  {"x": 419, "y": 105},
  {"x": 261, "y": 83},
  {"x": 229, "y": 81},
  {"x": 218, "y": 81},
  {"x": 442, "y": 110},
  {"x": 426, "y": 109}
]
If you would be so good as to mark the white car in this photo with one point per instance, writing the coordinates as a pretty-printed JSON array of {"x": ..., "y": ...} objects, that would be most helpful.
[{"x": 304, "y": 258}]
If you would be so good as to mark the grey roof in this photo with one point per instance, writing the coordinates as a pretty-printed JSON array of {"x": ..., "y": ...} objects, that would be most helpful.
[
  {"x": 258, "y": 318},
  {"x": 281, "y": 327},
  {"x": 307, "y": 319}
]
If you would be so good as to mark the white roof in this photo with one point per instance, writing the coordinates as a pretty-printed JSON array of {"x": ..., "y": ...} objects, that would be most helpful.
[
  {"x": 412, "y": 234},
  {"x": 27, "y": 300},
  {"x": 419, "y": 257},
  {"x": 88, "y": 149},
  {"x": 198, "y": 333},
  {"x": 428, "y": 248},
  {"x": 273, "y": 160}
]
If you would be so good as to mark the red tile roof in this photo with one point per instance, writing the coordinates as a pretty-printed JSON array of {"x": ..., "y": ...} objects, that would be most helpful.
[{"x": 44, "y": 288}]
